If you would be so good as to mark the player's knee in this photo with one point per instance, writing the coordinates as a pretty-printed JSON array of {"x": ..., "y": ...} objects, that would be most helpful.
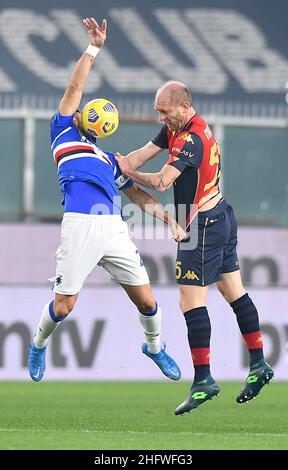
[
  {"x": 62, "y": 309},
  {"x": 187, "y": 304},
  {"x": 225, "y": 293},
  {"x": 231, "y": 294},
  {"x": 146, "y": 305}
]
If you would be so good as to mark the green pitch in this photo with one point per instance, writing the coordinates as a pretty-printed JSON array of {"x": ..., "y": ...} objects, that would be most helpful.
[{"x": 138, "y": 415}]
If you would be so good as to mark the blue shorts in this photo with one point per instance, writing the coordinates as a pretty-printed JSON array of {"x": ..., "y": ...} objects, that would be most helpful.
[{"x": 216, "y": 249}]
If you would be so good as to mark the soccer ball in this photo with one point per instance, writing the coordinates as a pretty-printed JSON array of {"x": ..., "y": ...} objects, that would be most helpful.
[{"x": 100, "y": 118}]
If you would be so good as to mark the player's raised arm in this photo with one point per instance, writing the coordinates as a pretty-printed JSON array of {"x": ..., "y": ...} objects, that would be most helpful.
[{"x": 73, "y": 94}]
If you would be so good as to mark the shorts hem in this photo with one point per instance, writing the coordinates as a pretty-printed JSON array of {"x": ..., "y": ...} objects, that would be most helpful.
[
  {"x": 129, "y": 283},
  {"x": 82, "y": 215},
  {"x": 199, "y": 284},
  {"x": 230, "y": 270},
  {"x": 56, "y": 291}
]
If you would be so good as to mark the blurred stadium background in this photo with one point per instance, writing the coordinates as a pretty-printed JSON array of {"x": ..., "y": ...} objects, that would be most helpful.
[{"x": 234, "y": 59}]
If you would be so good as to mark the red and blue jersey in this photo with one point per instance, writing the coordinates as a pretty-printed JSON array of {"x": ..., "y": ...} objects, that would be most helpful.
[
  {"x": 95, "y": 175},
  {"x": 195, "y": 153}
]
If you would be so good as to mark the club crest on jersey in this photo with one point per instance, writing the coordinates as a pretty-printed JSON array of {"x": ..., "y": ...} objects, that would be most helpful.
[{"x": 187, "y": 137}]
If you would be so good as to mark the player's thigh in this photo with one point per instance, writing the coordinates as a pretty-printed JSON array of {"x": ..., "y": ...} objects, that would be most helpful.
[
  {"x": 79, "y": 251},
  {"x": 122, "y": 260},
  {"x": 141, "y": 296},
  {"x": 192, "y": 297},
  {"x": 231, "y": 286}
]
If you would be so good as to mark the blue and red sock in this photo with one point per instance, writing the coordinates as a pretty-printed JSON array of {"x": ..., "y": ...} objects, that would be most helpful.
[
  {"x": 248, "y": 321},
  {"x": 199, "y": 333}
]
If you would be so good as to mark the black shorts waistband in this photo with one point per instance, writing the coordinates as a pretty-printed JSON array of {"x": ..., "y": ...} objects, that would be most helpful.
[{"x": 220, "y": 206}]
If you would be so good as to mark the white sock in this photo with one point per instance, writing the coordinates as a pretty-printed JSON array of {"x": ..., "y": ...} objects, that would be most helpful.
[
  {"x": 45, "y": 327},
  {"x": 152, "y": 327}
]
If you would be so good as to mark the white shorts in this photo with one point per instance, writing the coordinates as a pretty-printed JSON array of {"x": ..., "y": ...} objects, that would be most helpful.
[{"x": 88, "y": 240}]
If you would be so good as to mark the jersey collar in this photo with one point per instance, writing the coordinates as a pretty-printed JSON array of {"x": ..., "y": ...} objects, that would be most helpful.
[{"x": 188, "y": 124}]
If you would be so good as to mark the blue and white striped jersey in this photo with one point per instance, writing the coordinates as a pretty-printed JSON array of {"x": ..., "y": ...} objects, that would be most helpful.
[{"x": 78, "y": 159}]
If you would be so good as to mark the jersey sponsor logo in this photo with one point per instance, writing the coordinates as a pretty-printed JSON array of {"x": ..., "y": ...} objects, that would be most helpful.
[{"x": 187, "y": 154}]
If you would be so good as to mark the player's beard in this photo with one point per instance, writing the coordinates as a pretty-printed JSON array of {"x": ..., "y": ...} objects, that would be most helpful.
[{"x": 172, "y": 127}]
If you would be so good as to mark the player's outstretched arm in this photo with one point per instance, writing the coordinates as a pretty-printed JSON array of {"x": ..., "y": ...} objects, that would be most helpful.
[
  {"x": 160, "y": 181},
  {"x": 73, "y": 94},
  {"x": 151, "y": 206}
]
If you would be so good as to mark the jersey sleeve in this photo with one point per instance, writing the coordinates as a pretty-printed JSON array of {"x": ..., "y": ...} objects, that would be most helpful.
[
  {"x": 190, "y": 154},
  {"x": 60, "y": 124},
  {"x": 161, "y": 139},
  {"x": 121, "y": 181}
]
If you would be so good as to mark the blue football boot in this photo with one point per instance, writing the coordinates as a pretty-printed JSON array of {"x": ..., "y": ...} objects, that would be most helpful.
[
  {"x": 167, "y": 365},
  {"x": 36, "y": 362}
]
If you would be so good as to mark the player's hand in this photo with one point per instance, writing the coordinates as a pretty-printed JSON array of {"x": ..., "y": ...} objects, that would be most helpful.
[
  {"x": 124, "y": 163},
  {"x": 178, "y": 233},
  {"x": 97, "y": 34}
]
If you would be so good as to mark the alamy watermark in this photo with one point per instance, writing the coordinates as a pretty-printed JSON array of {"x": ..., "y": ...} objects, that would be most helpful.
[{"x": 149, "y": 223}]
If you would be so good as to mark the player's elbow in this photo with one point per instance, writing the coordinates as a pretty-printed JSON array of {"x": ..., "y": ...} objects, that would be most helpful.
[
  {"x": 161, "y": 182},
  {"x": 161, "y": 189}
]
